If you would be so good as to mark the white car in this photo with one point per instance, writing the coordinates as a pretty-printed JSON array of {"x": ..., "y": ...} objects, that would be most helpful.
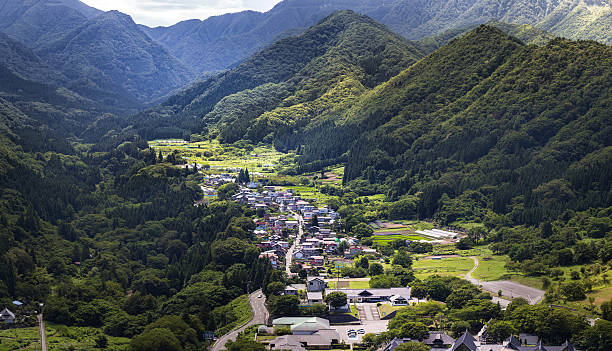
[{"x": 259, "y": 296}]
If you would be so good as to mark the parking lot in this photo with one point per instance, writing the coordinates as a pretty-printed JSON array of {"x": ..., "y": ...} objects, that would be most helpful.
[{"x": 367, "y": 326}]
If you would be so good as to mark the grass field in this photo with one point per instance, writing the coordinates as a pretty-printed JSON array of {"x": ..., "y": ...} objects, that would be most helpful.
[
  {"x": 491, "y": 268},
  {"x": 263, "y": 159},
  {"x": 349, "y": 285},
  {"x": 59, "y": 338},
  {"x": 452, "y": 266},
  {"x": 385, "y": 308},
  {"x": 385, "y": 232},
  {"x": 310, "y": 193}
]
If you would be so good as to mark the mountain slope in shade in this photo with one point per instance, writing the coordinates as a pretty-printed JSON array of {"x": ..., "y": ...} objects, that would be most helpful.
[
  {"x": 23, "y": 62},
  {"x": 113, "y": 53},
  {"x": 39, "y": 21},
  {"x": 291, "y": 82},
  {"x": 219, "y": 42}
]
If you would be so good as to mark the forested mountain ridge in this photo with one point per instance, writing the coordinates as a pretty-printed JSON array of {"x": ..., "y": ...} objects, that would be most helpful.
[
  {"x": 202, "y": 45},
  {"x": 294, "y": 80},
  {"x": 111, "y": 51},
  {"x": 38, "y": 21},
  {"x": 525, "y": 139}
]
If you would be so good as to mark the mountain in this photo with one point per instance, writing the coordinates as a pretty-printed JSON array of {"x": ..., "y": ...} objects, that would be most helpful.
[
  {"x": 34, "y": 22},
  {"x": 111, "y": 52},
  {"x": 292, "y": 81},
  {"x": 486, "y": 117},
  {"x": 219, "y": 42},
  {"x": 24, "y": 62},
  {"x": 526, "y": 33}
]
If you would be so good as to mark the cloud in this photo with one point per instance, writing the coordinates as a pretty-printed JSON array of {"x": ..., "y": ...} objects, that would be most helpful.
[{"x": 168, "y": 12}]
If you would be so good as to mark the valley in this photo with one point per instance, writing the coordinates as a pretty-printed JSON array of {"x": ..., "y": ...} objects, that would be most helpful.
[{"x": 340, "y": 175}]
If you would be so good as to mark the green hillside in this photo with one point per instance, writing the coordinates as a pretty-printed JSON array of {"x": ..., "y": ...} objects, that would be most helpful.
[
  {"x": 513, "y": 139},
  {"x": 291, "y": 82}
]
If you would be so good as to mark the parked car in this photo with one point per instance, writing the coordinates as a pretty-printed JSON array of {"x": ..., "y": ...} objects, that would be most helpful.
[
  {"x": 259, "y": 296},
  {"x": 351, "y": 331},
  {"x": 360, "y": 331}
]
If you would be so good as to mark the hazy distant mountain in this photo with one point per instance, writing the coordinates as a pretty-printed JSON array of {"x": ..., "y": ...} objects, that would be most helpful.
[
  {"x": 39, "y": 21},
  {"x": 218, "y": 42},
  {"x": 111, "y": 51}
]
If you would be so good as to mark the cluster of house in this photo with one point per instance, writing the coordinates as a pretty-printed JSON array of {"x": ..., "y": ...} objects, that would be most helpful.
[
  {"x": 216, "y": 180},
  {"x": 316, "y": 286},
  {"x": 306, "y": 332},
  {"x": 440, "y": 341}
]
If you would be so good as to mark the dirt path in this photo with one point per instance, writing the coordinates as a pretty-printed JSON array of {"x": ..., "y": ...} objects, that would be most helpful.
[
  {"x": 43, "y": 337},
  {"x": 509, "y": 288}
]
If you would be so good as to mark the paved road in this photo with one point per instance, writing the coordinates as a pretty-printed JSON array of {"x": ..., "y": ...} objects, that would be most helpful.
[
  {"x": 289, "y": 255},
  {"x": 43, "y": 337},
  {"x": 260, "y": 316},
  {"x": 509, "y": 288}
]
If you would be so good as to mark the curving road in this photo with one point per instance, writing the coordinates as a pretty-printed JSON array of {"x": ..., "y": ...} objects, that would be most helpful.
[
  {"x": 508, "y": 288},
  {"x": 260, "y": 316},
  {"x": 289, "y": 255}
]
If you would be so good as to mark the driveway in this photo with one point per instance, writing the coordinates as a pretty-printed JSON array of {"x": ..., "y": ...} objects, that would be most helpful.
[
  {"x": 509, "y": 288},
  {"x": 260, "y": 316},
  {"x": 368, "y": 326}
]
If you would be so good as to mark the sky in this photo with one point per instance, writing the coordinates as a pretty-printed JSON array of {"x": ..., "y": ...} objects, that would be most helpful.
[{"x": 168, "y": 12}]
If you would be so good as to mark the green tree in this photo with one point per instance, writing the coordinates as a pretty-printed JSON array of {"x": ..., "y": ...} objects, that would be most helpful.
[
  {"x": 402, "y": 258},
  {"x": 285, "y": 305},
  {"x": 156, "y": 340},
  {"x": 362, "y": 230},
  {"x": 226, "y": 191},
  {"x": 499, "y": 330},
  {"x": 414, "y": 330},
  {"x": 376, "y": 269},
  {"x": 275, "y": 288},
  {"x": 573, "y": 291},
  {"x": 336, "y": 299}
]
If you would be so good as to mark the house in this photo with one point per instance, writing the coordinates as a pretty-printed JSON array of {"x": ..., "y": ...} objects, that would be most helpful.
[
  {"x": 439, "y": 340},
  {"x": 374, "y": 295},
  {"x": 321, "y": 340},
  {"x": 317, "y": 261},
  {"x": 289, "y": 290},
  {"x": 315, "y": 284},
  {"x": 7, "y": 316},
  {"x": 398, "y": 300},
  {"x": 314, "y": 297}
]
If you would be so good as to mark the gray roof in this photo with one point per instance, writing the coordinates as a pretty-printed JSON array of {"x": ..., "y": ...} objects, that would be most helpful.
[
  {"x": 513, "y": 342},
  {"x": 528, "y": 339},
  {"x": 466, "y": 339},
  {"x": 314, "y": 295},
  {"x": 287, "y": 342},
  {"x": 386, "y": 293},
  {"x": 438, "y": 338},
  {"x": 6, "y": 314}
]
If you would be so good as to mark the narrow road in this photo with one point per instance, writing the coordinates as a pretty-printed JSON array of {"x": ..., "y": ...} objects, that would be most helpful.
[
  {"x": 508, "y": 288},
  {"x": 260, "y": 316},
  {"x": 296, "y": 241},
  {"x": 43, "y": 337}
]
